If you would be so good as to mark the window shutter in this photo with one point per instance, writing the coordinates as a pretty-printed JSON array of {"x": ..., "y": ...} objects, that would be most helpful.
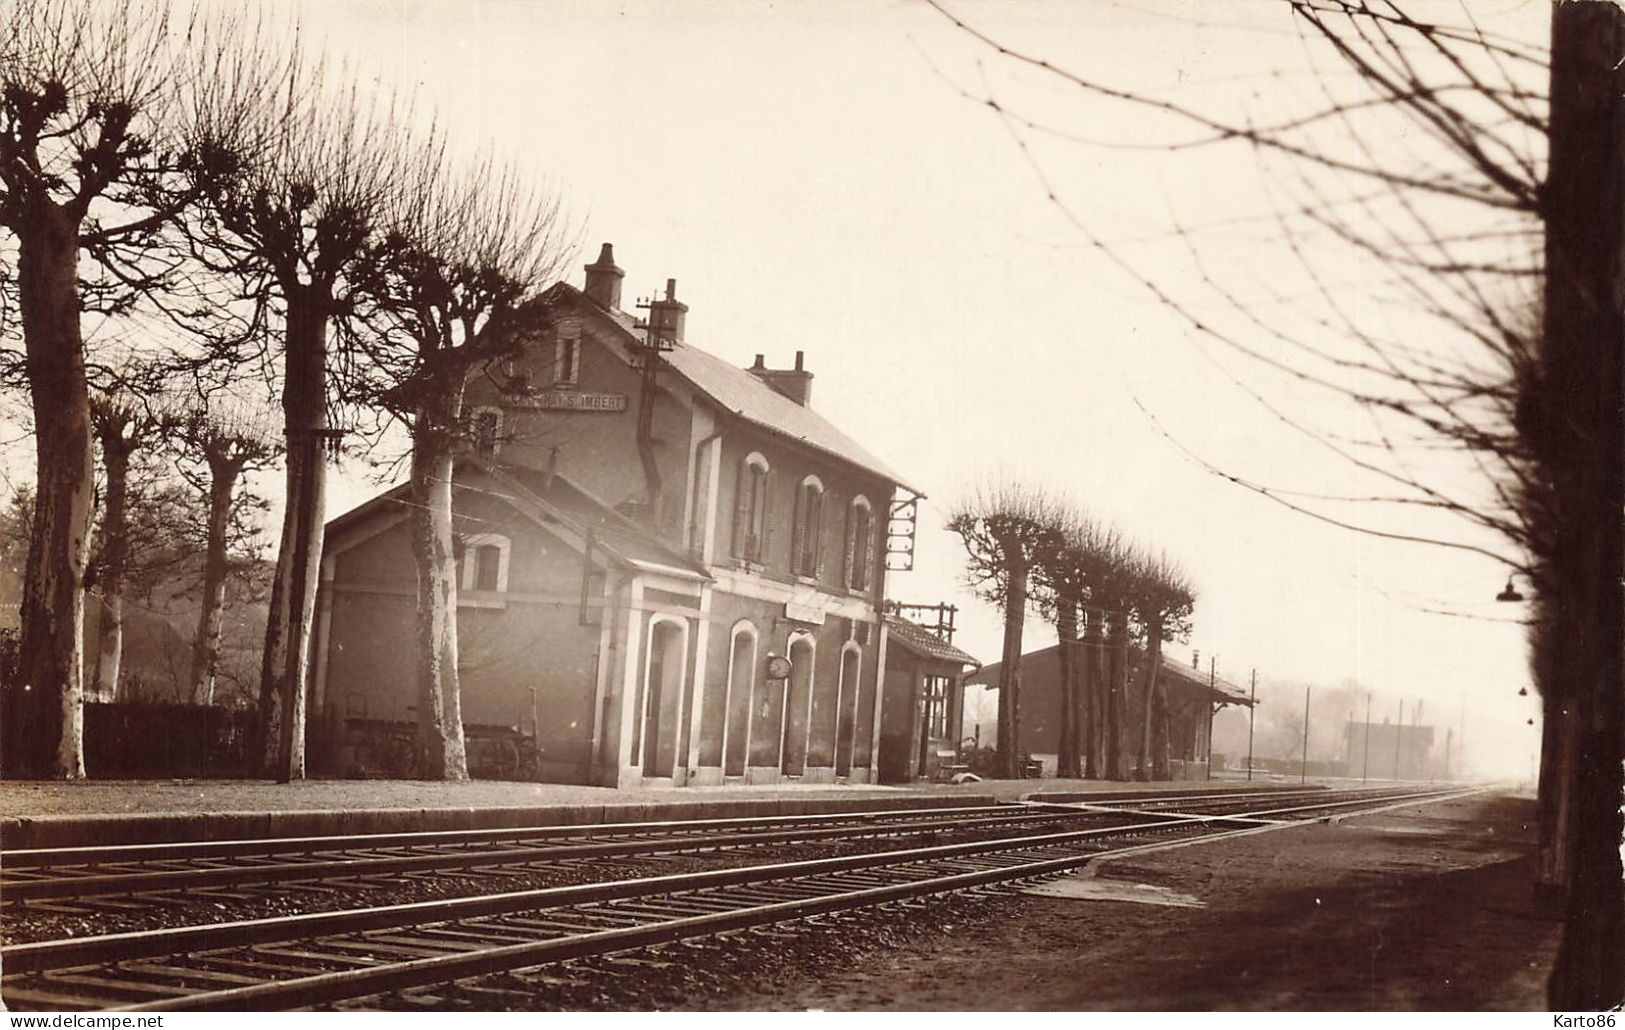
[
  {"x": 815, "y": 536},
  {"x": 871, "y": 545},
  {"x": 849, "y": 568},
  {"x": 769, "y": 518},
  {"x": 798, "y": 531},
  {"x": 743, "y": 487}
]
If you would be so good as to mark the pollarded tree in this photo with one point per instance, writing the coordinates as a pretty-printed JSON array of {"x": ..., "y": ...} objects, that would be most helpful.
[
  {"x": 1162, "y": 601},
  {"x": 452, "y": 292},
  {"x": 222, "y": 441},
  {"x": 296, "y": 203},
  {"x": 1087, "y": 574},
  {"x": 1006, "y": 529},
  {"x": 71, "y": 94},
  {"x": 88, "y": 106},
  {"x": 127, "y": 416}
]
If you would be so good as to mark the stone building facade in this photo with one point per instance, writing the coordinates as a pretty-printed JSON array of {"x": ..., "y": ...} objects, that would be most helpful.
[{"x": 672, "y": 569}]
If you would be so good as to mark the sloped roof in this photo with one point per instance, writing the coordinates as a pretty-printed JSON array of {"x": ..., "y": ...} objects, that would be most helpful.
[
  {"x": 747, "y": 397},
  {"x": 923, "y": 642},
  {"x": 609, "y": 528},
  {"x": 1045, "y": 662},
  {"x": 559, "y": 501},
  {"x": 1233, "y": 693}
]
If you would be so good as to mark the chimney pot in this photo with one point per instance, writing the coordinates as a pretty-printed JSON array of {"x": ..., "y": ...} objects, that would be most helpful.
[
  {"x": 604, "y": 279},
  {"x": 794, "y": 383},
  {"x": 667, "y": 315}
]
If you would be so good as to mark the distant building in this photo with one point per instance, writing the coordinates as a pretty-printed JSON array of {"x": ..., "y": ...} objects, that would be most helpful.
[
  {"x": 1388, "y": 751},
  {"x": 671, "y": 571},
  {"x": 1191, "y": 703}
]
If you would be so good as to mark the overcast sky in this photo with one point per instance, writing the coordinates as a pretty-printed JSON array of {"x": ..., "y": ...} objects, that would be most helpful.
[{"x": 814, "y": 179}]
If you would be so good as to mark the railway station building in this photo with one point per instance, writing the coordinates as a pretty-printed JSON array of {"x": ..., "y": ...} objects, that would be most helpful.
[{"x": 671, "y": 571}]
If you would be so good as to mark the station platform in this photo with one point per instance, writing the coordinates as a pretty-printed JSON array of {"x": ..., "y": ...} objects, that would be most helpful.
[{"x": 35, "y": 814}]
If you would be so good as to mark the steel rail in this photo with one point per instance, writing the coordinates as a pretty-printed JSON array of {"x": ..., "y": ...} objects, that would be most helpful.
[
  {"x": 90, "y": 884},
  {"x": 415, "y": 936},
  {"x": 326, "y": 987},
  {"x": 320, "y": 988},
  {"x": 39, "y": 955},
  {"x": 180, "y": 850}
]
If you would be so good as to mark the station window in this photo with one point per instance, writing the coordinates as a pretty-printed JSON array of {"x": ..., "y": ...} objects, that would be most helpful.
[
  {"x": 751, "y": 509},
  {"x": 859, "y": 546},
  {"x": 567, "y": 358},
  {"x": 806, "y": 552},
  {"x": 936, "y": 706},
  {"x": 483, "y": 565}
]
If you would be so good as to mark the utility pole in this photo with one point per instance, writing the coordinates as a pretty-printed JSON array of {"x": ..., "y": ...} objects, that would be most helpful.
[
  {"x": 1365, "y": 764},
  {"x": 1399, "y": 733},
  {"x": 1252, "y": 716},
  {"x": 1303, "y": 768},
  {"x": 1212, "y": 678}
]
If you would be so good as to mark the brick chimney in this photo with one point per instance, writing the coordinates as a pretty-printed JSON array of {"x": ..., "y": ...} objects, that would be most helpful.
[
  {"x": 794, "y": 383},
  {"x": 666, "y": 315},
  {"x": 604, "y": 279}
]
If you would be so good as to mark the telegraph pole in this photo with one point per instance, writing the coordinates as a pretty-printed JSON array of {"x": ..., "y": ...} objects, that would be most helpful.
[
  {"x": 1365, "y": 764},
  {"x": 1303, "y": 769},
  {"x": 1399, "y": 732},
  {"x": 1252, "y": 716}
]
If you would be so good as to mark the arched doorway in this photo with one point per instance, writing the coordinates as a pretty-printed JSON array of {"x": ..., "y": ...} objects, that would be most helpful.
[
  {"x": 741, "y": 692},
  {"x": 663, "y": 697},
  {"x": 846, "y": 715},
  {"x": 797, "y": 703}
]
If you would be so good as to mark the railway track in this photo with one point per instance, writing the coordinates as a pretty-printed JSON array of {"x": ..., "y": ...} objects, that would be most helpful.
[
  {"x": 323, "y": 958},
  {"x": 136, "y": 872}
]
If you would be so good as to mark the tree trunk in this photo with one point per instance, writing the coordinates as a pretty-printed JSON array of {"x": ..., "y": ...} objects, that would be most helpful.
[
  {"x": 1015, "y": 614},
  {"x": 440, "y": 720},
  {"x": 1576, "y": 432},
  {"x": 1116, "y": 689},
  {"x": 1573, "y": 420},
  {"x": 285, "y": 669},
  {"x": 115, "y": 560},
  {"x": 1161, "y": 768},
  {"x": 1066, "y": 630},
  {"x": 1143, "y": 768},
  {"x": 48, "y": 736},
  {"x": 1094, "y": 725},
  {"x": 223, "y": 472}
]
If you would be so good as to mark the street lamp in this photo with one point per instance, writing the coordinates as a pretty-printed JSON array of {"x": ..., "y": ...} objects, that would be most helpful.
[{"x": 1509, "y": 592}]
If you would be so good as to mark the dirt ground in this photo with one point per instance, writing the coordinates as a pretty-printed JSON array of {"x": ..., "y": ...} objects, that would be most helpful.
[{"x": 1425, "y": 908}]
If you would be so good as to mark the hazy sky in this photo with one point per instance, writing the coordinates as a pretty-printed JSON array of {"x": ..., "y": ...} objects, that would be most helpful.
[{"x": 813, "y": 178}]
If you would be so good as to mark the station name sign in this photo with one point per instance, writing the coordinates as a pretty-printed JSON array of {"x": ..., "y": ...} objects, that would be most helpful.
[{"x": 571, "y": 400}]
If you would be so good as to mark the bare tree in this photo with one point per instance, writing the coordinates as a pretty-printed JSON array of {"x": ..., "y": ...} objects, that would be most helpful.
[
  {"x": 1162, "y": 601},
  {"x": 467, "y": 254},
  {"x": 1457, "y": 211},
  {"x": 1006, "y": 529},
  {"x": 226, "y": 440},
  {"x": 85, "y": 109},
  {"x": 295, "y": 204},
  {"x": 1084, "y": 568}
]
